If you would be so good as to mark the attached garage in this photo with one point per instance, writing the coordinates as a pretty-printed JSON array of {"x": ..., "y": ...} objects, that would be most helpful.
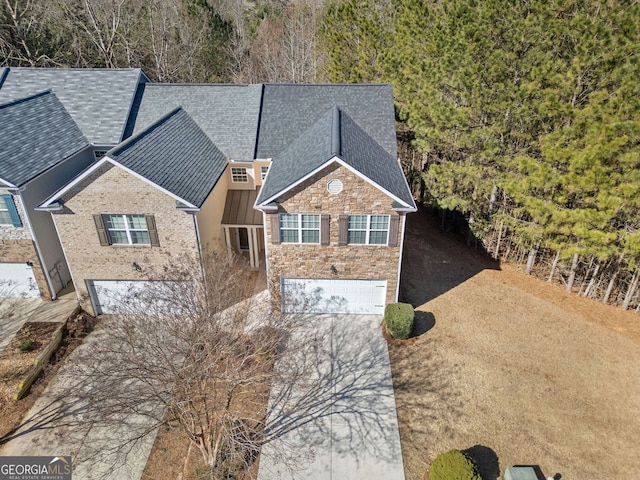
[
  {"x": 306, "y": 295},
  {"x": 113, "y": 296},
  {"x": 18, "y": 280}
]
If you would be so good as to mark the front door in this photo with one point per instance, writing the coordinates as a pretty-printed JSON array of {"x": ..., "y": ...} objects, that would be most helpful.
[{"x": 243, "y": 239}]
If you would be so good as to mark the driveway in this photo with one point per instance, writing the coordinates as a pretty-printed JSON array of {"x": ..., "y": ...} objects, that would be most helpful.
[
  {"x": 56, "y": 425},
  {"x": 333, "y": 416}
]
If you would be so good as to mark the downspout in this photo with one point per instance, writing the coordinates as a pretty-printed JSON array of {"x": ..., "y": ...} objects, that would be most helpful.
[
  {"x": 52, "y": 289},
  {"x": 404, "y": 219},
  {"x": 266, "y": 256}
]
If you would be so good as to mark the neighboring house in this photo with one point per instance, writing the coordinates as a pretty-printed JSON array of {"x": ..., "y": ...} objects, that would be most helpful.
[
  {"x": 139, "y": 206},
  {"x": 303, "y": 180},
  {"x": 41, "y": 150},
  {"x": 53, "y": 124}
]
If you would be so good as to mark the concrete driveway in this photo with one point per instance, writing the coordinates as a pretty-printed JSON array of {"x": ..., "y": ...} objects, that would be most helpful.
[
  {"x": 57, "y": 424},
  {"x": 333, "y": 415}
]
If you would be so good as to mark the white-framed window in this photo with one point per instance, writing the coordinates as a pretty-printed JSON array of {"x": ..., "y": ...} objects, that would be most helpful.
[
  {"x": 263, "y": 172},
  {"x": 368, "y": 229},
  {"x": 300, "y": 228},
  {"x": 127, "y": 229},
  {"x": 239, "y": 175},
  {"x": 5, "y": 216}
]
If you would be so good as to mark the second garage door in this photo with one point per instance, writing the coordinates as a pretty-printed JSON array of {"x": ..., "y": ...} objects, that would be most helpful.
[
  {"x": 17, "y": 280},
  {"x": 110, "y": 296},
  {"x": 301, "y": 295}
]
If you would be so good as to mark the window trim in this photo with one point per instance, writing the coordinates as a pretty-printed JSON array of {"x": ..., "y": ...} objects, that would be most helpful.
[
  {"x": 368, "y": 230},
  {"x": 263, "y": 172},
  {"x": 127, "y": 229},
  {"x": 5, "y": 208},
  {"x": 300, "y": 229},
  {"x": 237, "y": 177},
  {"x": 12, "y": 210}
]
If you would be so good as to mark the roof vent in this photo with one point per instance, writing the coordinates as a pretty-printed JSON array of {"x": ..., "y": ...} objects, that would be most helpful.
[{"x": 334, "y": 187}]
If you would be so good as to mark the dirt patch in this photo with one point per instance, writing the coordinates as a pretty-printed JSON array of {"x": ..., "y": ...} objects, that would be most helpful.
[
  {"x": 15, "y": 363},
  {"x": 512, "y": 368}
]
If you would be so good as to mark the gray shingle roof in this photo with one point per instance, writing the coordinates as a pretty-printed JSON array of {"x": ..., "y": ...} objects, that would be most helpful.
[
  {"x": 335, "y": 134},
  {"x": 228, "y": 114},
  {"x": 290, "y": 109},
  {"x": 37, "y": 133},
  {"x": 97, "y": 99},
  {"x": 175, "y": 154}
]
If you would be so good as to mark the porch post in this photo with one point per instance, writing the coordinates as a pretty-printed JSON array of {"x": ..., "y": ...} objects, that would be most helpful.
[
  {"x": 251, "y": 252},
  {"x": 228, "y": 239},
  {"x": 256, "y": 247}
]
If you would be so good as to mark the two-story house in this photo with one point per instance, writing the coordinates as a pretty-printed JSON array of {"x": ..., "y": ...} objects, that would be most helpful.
[
  {"x": 53, "y": 124},
  {"x": 303, "y": 179}
]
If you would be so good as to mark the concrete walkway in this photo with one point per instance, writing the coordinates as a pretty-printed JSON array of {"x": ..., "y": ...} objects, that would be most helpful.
[{"x": 333, "y": 416}]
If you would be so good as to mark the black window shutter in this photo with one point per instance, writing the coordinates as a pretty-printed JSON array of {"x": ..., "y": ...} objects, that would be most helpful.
[
  {"x": 153, "y": 231},
  {"x": 102, "y": 232},
  {"x": 342, "y": 230},
  {"x": 13, "y": 211},
  {"x": 393, "y": 230},
  {"x": 324, "y": 230},
  {"x": 275, "y": 229}
]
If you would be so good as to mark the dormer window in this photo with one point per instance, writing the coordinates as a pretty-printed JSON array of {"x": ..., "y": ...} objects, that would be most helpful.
[
  {"x": 263, "y": 172},
  {"x": 239, "y": 175}
]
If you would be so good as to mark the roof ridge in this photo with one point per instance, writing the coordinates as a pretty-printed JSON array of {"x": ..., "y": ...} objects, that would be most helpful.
[
  {"x": 142, "y": 133},
  {"x": 30, "y": 97},
  {"x": 336, "y": 140},
  {"x": 189, "y": 84}
]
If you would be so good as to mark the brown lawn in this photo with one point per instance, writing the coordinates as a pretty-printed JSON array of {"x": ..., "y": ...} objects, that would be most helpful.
[{"x": 517, "y": 368}]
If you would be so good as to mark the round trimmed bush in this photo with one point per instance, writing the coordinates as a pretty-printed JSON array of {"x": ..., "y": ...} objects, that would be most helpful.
[
  {"x": 453, "y": 465},
  {"x": 398, "y": 318}
]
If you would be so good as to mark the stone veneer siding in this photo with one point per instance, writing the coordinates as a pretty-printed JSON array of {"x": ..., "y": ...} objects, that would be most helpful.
[
  {"x": 111, "y": 189},
  {"x": 16, "y": 246},
  {"x": 374, "y": 262},
  {"x": 9, "y": 232}
]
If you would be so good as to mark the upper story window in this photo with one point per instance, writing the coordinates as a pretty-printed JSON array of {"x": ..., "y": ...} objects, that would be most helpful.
[
  {"x": 299, "y": 228},
  {"x": 118, "y": 229},
  {"x": 127, "y": 229},
  {"x": 367, "y": 229},
  {"x": 263, "y": 172},
  {"x": 239, "y": 175},
  {"x": 8, "y": 212}
]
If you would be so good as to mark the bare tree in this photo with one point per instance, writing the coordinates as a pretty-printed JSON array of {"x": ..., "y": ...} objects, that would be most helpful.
[
  {"x": 181, "y": 352},
  {"x": 285, "y": 47}
]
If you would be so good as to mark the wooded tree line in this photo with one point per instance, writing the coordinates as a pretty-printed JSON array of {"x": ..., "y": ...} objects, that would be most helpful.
[
  {"x": 525, "y": 118},
  {"x": 521, "y": 116},
  {"x": 171, "y": 40}
]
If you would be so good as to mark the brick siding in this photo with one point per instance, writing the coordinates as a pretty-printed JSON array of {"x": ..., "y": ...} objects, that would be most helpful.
[{"x": 112, "y": 190}]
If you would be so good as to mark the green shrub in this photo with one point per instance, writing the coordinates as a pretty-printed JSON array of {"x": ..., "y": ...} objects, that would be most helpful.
[
  {"x": 398, "y": 318},
  {"x": 26, "y": 345},
  {"x": 453, "y": 465}
]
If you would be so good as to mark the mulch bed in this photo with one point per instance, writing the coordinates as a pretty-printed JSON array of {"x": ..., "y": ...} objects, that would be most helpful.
[{"x": 15, "y": 363}]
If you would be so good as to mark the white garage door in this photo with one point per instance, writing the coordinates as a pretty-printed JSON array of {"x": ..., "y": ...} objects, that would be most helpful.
[
  {"x": 114, "y": 296},
  {"x": 17, "y": 280},
  {"x": 333, "y": 296}
]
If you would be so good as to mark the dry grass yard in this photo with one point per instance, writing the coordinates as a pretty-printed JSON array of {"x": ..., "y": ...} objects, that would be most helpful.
[{"x": 513, "y": 367}]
